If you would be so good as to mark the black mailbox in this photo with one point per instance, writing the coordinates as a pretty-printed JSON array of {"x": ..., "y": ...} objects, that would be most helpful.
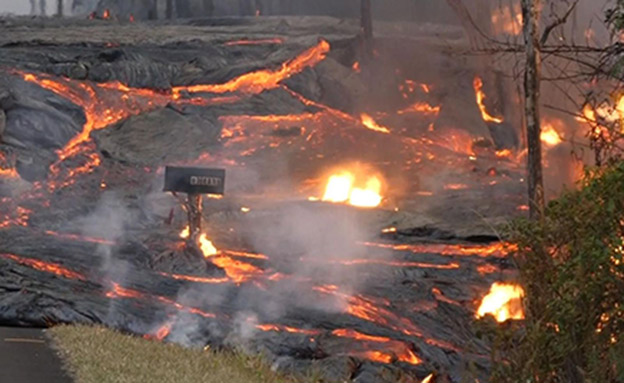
[{"x": 194, "y": 180}]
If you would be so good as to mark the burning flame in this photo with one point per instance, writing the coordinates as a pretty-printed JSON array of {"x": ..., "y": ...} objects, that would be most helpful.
[
  {"x": 185, "y": 233},
  {"x": 478, "y": 87},
  {"x": 344, "y": 187},
  {"x": 206, "y": 246},
  {"x": 507, "y": 20},
  {"x": 549, "y": 136},
  {"x": 503, "y": 302},
  {"x": 371, "y": 124}
]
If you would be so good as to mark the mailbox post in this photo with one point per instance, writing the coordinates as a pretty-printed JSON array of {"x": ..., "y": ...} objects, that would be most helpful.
[{"x": 194, "y": 182}]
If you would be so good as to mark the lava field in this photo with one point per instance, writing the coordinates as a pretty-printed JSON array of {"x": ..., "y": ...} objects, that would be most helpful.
[{"x": 357, "y": 234}]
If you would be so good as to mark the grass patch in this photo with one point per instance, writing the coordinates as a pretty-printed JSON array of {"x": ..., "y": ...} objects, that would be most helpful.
[{"x": 100, "y": 355}]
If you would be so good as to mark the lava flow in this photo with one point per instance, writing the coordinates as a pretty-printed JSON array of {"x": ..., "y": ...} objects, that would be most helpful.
[
  {"x": 259, "y": 81},
  {"x": 275, "y": 40},
  {"x": 48, "y": 267},
  {"x": 402, "y": 352}
]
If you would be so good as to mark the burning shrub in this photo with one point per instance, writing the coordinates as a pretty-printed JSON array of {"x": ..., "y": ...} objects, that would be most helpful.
[{"x": 572, "y": 268}]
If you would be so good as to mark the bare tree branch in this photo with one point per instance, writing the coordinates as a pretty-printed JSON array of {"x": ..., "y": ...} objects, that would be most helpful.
[{"x": 557, "y": 22}]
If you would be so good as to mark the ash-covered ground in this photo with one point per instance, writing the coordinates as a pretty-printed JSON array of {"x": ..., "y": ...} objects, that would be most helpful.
[{"x": 92, "y": 111}]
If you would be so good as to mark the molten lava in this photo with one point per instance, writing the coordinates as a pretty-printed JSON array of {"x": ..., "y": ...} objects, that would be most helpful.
[
  {"x": 259, "y": 81},
  {"x": 292, "y": 330},
  {"x": 354, "y": 187},
  {"x": 503, "y": 302},
  {"x": 421, "y": 108},
  {"x": 478, "y": 87},
  {"x": 402, "y": 352},
  {"x": 497, "y": 249},
  {"x": 237, "y": 271},
  {"x": 275, "y": 40},
  {"x": 47, "y": 267}
]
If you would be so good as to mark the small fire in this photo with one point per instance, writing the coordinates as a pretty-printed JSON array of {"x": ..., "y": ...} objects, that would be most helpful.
[
  {"x": 185, "y": 233},
  {"x": 206, "y": 246},
  {"x": 106, "y": 15},
  {"x": 356, "y": 67},
  {"x": 549, "y": 136},
  {"x": 478, "y": 87},
  {"x": 371, "y": 124},
  {"x": 504, "y": 301},
  {"x": 356, "y": 190},
  {"x": 507, "y": 20}
]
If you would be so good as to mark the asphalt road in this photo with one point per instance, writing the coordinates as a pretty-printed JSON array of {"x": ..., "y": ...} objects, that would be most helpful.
[{"x": 26, "y": 357}]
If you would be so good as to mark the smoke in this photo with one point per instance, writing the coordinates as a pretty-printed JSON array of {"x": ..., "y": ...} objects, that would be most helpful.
[{"x": 109, "y": 221}]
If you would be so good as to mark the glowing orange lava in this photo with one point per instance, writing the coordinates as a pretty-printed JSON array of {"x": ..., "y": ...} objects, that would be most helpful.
[
  {"x": 293, "y": 330},
  {"x": 275, "y": 40},
  {"x": 47, "y": 267},
  {"x": 259, "y": 81},
  {"x": 503, "y": 302},
  {"x": 478, "y": 87},
  {"x": 498, "y": 249},
  {"x": 421, "y": 108},
  {"x": 402, "y": 352}
]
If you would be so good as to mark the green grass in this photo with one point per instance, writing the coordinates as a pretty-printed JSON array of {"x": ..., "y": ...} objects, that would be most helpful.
[{"x": 100, "y": 355}]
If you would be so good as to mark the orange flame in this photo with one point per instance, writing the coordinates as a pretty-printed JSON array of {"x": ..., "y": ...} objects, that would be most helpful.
[
  {"x": 478, "y": 87},
  {"x": 549, "y": 136},
  {"x": 371, "y": 124},
  {"x": 503, "y": 302},
  {"x": 354, "y": 187},
  {"x": 185, "y": 233},
  {"x": 508, "y": 20},
  {"x": 206, "y": 246}
]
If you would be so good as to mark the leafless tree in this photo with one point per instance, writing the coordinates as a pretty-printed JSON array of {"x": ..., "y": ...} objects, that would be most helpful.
[
  {"x": 59, "y": 8},
  {"x": 367, "y": 25},
  {"x": 531, "y": 17}
]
